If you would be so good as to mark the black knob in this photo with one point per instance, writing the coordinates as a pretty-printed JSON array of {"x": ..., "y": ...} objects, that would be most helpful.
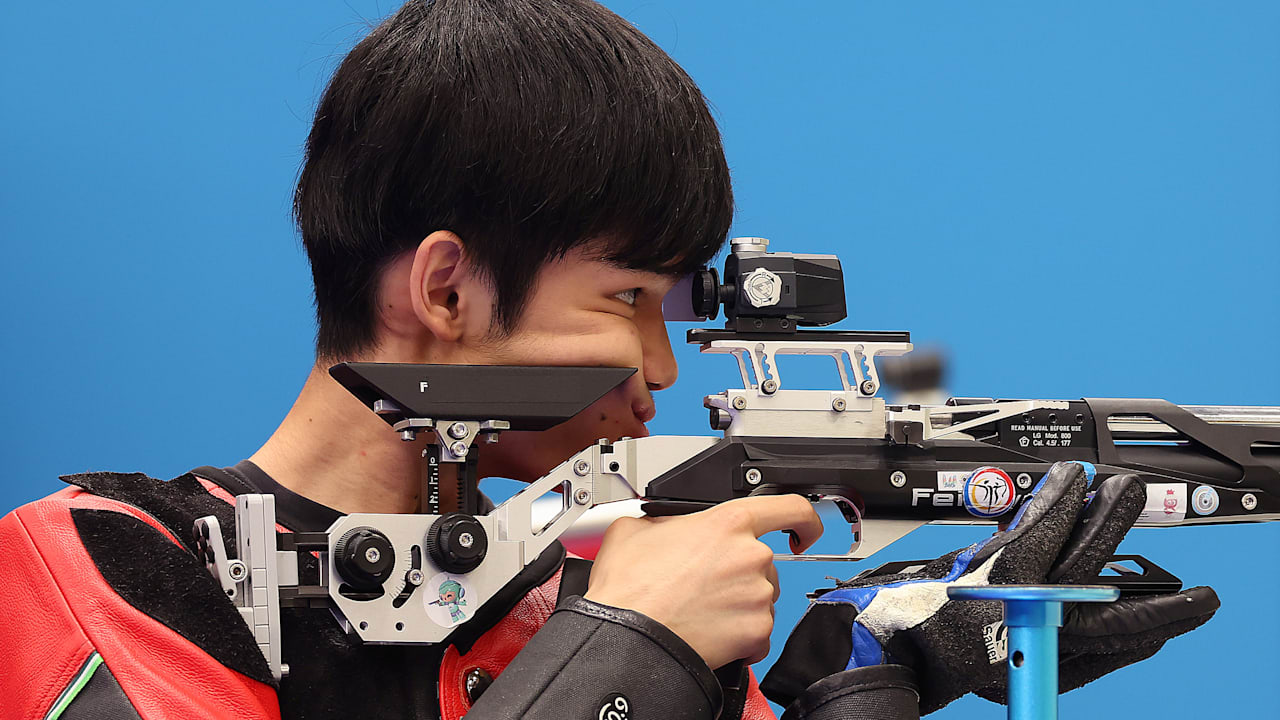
[
  {"x": 364, "y": 558},
  {"x": 457, "y": 543},
  {"x": 705, "y": 293}
]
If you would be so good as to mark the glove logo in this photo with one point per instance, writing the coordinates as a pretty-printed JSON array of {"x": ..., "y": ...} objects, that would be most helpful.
[
  {"x": 988, "y": 492},
  {"x": 996, "y": 637},
  {"x": 615, "y": 707}
]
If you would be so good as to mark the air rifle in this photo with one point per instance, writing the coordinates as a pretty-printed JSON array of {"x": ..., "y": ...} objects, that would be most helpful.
[{"x": 889, "y": 468}]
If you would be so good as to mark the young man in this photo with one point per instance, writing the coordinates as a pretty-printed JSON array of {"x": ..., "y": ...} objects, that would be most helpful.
[
  {"x": 514, "y": 182},
  {"x": 485, "y": 183}
]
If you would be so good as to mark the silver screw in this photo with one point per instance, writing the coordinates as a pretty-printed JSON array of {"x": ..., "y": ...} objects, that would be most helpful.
[
  {"x": 237, "y": 570},
  {"x": 1249, "y": 501},
  {"x": 458, "y": 448},
  {"x": 838, "y": 404},
  {"x": 1023, "y": 480},
  {"x": 898, "y": 478},
  {"x": 372, "y": 555},
  {"x": 582, "y": 496},
  {"x": 408, "y": 435},
  {"x": 739, "y": 403},
  {"x": 867, "y": 387},
  {"x": 754, "y": 477},
  {"x": 416, "y": 577},
  {"x": 582, "y": 467},
  {"x": 458, "y": 430},
  {"x": 770, "y": 386},
  {"x": 466, "y": 540}
]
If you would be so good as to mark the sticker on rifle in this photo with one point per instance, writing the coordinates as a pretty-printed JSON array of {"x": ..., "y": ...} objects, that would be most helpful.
[
  {"x": 951, "y": 480},
  {"x": 1166, "y": 503},
  {"x": 988, "y": 492},
  {"x": 446, "y": 600}
]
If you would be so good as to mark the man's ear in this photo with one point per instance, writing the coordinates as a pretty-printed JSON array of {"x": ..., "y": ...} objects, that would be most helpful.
[{"x": 438, "y": 275}]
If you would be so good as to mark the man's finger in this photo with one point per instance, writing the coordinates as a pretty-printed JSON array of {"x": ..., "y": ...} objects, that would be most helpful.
[{"x": 768, "y": 513}]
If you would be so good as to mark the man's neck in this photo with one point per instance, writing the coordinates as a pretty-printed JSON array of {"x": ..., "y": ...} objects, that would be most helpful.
[{"x": 332, "y": 449}]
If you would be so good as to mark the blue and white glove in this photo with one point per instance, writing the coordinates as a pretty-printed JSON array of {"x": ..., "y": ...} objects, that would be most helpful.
[{"x": 960, "y": 647}]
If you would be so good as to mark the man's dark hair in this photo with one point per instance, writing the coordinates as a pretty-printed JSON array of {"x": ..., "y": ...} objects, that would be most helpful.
[{"x": 527, "y": 127}]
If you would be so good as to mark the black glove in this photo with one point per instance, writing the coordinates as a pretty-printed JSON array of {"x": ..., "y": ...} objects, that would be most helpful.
[{"x": 1059, "y": 536}]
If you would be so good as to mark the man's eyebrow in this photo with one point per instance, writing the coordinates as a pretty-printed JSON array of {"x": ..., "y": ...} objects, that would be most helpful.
[{"x": 658, "y": 274}]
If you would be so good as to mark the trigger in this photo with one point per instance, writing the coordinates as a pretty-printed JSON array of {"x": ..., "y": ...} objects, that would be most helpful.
[{"x": 667, "y": 508}]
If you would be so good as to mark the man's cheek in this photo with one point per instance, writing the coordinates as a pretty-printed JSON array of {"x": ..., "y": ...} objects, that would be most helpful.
[{"x": 621, "y": 347}]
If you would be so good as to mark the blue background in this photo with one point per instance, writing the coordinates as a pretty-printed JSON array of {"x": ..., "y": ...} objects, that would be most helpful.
[{"x": 1073, "y": 200}]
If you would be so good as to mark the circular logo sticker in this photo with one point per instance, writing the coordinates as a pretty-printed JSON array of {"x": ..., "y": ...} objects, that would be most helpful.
[
  {"x": 1205, "y": 500},
  {"x": 446, "y": 599},
  {"x": 988, "y": 492}
]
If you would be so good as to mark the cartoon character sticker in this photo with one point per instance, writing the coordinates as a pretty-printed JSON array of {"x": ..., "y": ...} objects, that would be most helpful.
[
  {"x": 1166, "y": 503},
  {"x": 446, "y": 600},
  {"x": 988, "y": 492}
]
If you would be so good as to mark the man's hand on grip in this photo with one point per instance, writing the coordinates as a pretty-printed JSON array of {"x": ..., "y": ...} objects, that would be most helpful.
[{"x": 706, "y": 576}]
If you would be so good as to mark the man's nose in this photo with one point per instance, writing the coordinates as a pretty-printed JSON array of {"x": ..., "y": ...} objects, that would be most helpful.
[{"x": 660, "y": 369}]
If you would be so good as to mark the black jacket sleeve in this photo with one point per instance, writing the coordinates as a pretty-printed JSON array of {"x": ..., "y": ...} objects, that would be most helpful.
[
  {"x": 592, "y": 661},
  {"x": 595, "y": 662},
  {"x": 876, "y": 692}
]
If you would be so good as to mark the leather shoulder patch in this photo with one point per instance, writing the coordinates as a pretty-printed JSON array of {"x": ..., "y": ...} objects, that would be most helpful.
[{"x": 169, "y": 584}]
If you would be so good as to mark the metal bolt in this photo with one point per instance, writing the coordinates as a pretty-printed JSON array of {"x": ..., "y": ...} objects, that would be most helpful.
[
  {"x": 372, "y": 555},
  {"x": 898, "y": 478},
  {"x": 1023, "y": 480},
  {"x": 458, "y": 448},
  {"x": 582, "y": 496},
  {"x": 739, "y": 403},
  {"x": 770, "y": 386},
  {"x": 466, "y": 540},
  {"x": 754, "y": 477},
  {"x": 458, "y": 430},
  {"x": 415, "y": 577},
  {"x": 1249, "y": 501},
  {"x": 237, "y": 570},
  {"x": 867, "y": 387},
  {"x": 408, "y": 435},
  {"x": 838, "y": 404},
  {"x": 582, "y": 467}
]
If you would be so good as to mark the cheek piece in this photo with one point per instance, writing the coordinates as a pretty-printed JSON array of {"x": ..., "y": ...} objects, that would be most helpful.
[{"x": 1061, "y": 535}]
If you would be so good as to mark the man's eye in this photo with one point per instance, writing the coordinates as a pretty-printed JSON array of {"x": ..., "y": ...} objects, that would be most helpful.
[{"x": 628, "y": 296}]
